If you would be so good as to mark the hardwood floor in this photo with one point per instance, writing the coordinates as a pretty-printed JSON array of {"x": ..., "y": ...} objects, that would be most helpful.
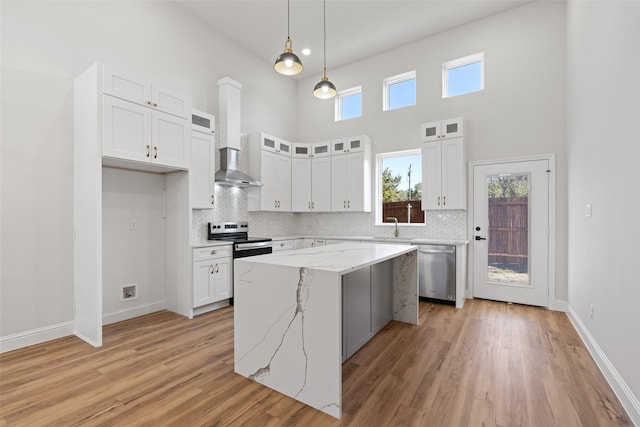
[{"x": 489, "y": 364}]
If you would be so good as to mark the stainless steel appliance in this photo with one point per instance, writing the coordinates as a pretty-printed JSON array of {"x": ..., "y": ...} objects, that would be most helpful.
[
  {"x": 437, "y": 272},
  {"x": 238, "y": 234}
]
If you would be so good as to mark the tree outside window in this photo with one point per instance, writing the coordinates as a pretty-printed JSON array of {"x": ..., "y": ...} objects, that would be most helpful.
[{"x": 401, "y": 192}]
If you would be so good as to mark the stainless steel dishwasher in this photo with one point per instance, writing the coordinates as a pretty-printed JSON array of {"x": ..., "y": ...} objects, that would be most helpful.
[{"x": 437, "y": 272}]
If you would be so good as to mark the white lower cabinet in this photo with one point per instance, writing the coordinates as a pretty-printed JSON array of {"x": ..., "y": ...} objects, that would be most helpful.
[
  {"x": 212, "y": 268},
  {"x": 286, "y": 245}
]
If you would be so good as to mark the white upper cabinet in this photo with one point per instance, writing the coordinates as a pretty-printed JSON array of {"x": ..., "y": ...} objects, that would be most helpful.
[
  {"x": 443, "y": 180},
  {"x": 201, "y": 172},
  {"x": 275, "y": 144},
  {"x": 435, "y": 131},
  {"x": 136, "y": 133},
  {"x": 351, "y": 177},
  {"x": 275, "y": 193},
  {"x": 144, "y": 92},
  {"x": 311, "y": 184},
  {"x": 143, "y": 122},
  {"x": 349, "y": 145}
]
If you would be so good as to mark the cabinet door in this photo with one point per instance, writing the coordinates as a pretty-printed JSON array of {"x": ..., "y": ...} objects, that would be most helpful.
[
  {"x": 432, "y": 176},
  {"x": 380, "y": 295},
  {"x": 203, "y": 292},
  {"x": 126, "y": 130},
  {"x": 339, "y": 179},
  {"x": 430, "y": 131},
  {"x": 301, "y": 182},
  {"x": 453, "y": 174},
  {"x": 268, "y": 142},
  {"x": 355, "y": 144},
  {"x": 321, "y": 149},
  {"x": 222, "y": 285},
  {"x": 170, "y": 101},
  {"x": 452, "y": 128},
  {"x": 267, "y": 191},
  {"x": 355, "y": 182},
  {"x": 201, "y": 170},
  {"x": 320, "y": 184},
  {"x": 283, "y": 183},
  {"x": 339, "y": 146},
  {"x": 356, "y": 292},
  {"x": 171, "y": 140},
  {"x": 301, "y": 150},
  {"x": 126, "y": 87}
]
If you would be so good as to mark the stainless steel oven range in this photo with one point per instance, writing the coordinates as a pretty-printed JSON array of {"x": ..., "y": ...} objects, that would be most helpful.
[{"x": 238, "y": 234}]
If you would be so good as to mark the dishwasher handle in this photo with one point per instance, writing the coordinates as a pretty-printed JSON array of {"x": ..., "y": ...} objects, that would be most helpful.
[{"x": 437, "y": 251}]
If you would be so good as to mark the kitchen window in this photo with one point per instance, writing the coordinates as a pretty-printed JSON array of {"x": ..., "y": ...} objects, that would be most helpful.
[
  {"x": 399, "y": 91},
  {"x": 463, "y": 75},
  {"x": 349, "y": 104},
  {"x": 399, "y": 187}
]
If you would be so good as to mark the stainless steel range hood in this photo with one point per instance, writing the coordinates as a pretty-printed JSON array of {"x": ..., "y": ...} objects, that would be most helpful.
[
  {"x": 229, "y": 115},
  {"x": 229, "y": 173}
]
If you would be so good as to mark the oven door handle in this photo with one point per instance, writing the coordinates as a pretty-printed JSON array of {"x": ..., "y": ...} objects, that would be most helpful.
[{"x": 249, "y": 246}]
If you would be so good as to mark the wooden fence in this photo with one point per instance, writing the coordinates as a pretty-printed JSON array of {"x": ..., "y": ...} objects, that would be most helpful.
[
  {"x": 400, "y": 211},
  {"x": 508, "y": 230}
]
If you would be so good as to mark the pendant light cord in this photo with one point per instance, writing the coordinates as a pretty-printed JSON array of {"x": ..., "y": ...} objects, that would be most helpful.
[
  {"x": 288, "y": 13},
  {"x": 324, "y": 27}
]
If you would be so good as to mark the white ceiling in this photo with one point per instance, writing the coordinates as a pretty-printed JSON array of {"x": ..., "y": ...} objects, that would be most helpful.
[{"x": 355, "y": 28}]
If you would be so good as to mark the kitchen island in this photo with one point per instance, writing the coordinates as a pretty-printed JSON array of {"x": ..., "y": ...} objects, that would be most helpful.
[{"x": 288, "y": 314}]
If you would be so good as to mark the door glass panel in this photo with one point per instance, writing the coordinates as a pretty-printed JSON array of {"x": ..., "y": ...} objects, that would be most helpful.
[{"x": 508, "y": 236}]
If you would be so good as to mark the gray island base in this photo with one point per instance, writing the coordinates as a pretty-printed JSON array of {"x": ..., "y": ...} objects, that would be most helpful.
[{"x": 288, "y": 314}]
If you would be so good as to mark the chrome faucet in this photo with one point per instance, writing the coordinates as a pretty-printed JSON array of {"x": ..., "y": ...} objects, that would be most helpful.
[{"x": 395, "y": 232}]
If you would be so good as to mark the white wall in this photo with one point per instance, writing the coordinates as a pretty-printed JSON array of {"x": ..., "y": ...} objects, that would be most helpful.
[
  {"x": 44, "y": 46},
  {"x": 603, "y": 66},
  {"x": 521, "y": 112},
  {"x": 132, "y": 256}
]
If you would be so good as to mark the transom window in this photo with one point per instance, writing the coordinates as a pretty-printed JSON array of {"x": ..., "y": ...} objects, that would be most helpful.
[
  {"x": 399, "y": 91},
  {"x": 399, "y": 187},
  {"x": 463, "y": 75},
  {"x": 349, "y": 104}
]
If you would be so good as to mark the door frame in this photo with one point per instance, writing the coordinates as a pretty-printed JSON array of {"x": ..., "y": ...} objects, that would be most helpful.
[{"x": 552, "y": 304}]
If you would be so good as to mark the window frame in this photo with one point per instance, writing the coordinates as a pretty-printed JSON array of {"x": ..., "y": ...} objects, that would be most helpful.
[
  {"x": 460, "y": 62},
  {"x": 379, "y": 221},
  {"x": 343, "y": 94},
  {"x": 398, "y": 78}
]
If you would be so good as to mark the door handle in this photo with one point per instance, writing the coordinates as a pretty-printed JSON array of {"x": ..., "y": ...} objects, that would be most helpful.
[{"x": 480, "y": 238}]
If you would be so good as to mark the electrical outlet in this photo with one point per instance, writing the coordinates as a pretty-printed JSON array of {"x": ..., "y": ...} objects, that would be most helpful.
[
  {"x": 591, "y": 311},
  {"x": 588, "y": 209}
]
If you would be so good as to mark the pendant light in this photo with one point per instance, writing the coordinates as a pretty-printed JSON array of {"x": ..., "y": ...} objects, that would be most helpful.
[
  {"x": 287, "y": 62},
  {"x": 324, "y": 89}
]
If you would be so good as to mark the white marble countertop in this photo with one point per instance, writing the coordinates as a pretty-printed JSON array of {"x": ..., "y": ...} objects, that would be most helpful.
[
  {"x": 401, "y": 240},
  {"x": 209, "y": 243},
  {"x": 340, "y": 258}
]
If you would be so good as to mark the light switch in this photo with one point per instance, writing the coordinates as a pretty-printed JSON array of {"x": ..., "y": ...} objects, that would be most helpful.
[{"x": 588, "y": 209}]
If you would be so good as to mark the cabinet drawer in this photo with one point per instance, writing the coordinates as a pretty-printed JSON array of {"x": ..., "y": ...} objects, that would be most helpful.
[
  {"x": 212, "y": 252},
  {"x": 283, "y": 245}
]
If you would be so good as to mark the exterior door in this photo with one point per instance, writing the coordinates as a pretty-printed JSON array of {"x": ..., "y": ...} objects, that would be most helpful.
[{"x": 511, "y": 232}]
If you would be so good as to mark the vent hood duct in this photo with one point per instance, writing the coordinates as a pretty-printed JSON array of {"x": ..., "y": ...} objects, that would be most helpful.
[{"x": 229, "y": 115}]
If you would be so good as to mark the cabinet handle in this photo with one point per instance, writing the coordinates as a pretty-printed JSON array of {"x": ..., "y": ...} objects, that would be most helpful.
[
  {"x": 278, "y": 204},
  {"x": 217, "y": 268},
  {"x": 438, "y": 200},
  {"x": 282, "y": 245},
  {"x": 309, "y": 205},
  {"x": 148, "y": 102},
  {"x": 213, "y": 252},
  {"x": 211, "y": 266},
  {"x": 155, "y": 105},
  {"x": 344, "y": 204},
  {"x": 275, "y": 203},
  {"x": 148, "y": 151},
  {"x": 444, "y": 200},
  {"x": 313, "y": 205},
  {"x": 155, "y": 152},
  {"x": 212, "y": 199},
  {"x": 349, "y": 203}
]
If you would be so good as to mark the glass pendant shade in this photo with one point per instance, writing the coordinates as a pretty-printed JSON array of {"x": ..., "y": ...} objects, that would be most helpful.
[
  {"x": 324, "y": 89},
  {"x": 287, "y": 62}
]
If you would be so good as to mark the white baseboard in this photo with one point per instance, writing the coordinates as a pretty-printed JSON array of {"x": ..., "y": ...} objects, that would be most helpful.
[
  {"x": 620, "y": 388},
  {"x": 130, "y": 313},
  {"x": 210, "y": 307},
  {"x": 35, "y": 336},
  {"x": 558, "y": 305}
]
